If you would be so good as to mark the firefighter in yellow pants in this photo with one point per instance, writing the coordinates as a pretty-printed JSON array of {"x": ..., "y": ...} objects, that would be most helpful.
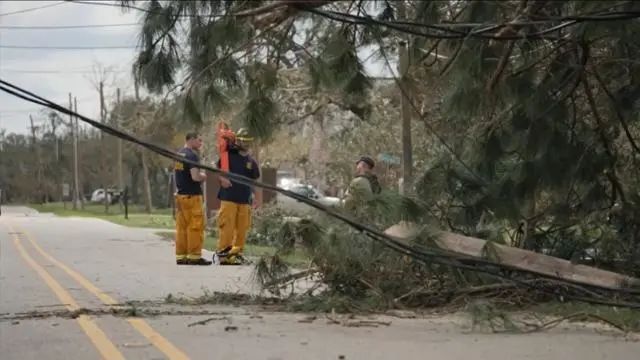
[
  {"x": 234, "y": 216},
  {"x": 189, "y": 201}
]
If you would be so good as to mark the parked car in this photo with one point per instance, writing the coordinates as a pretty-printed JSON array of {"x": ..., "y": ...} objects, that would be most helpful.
[{"x": 308, "y": 191}]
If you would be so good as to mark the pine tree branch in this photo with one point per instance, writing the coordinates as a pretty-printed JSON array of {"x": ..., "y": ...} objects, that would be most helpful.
[
  {"x": 194, "y": 79},
  {"x": 169, "y": 28},
  {"x": 611, "y": 175},
  {"x": 524, "y": 68},
  {"x": 619, "y": 114},
  {"x": 269, "y": 8},
  {"x": 502, "y": 65},
  {"x": 453, "y": 58},
  {"x": 279, "y": 11},
  {"x": 262, "y": 9},
  {"x": 279, "y": 48},
  {"x": 526, "y": 9}
]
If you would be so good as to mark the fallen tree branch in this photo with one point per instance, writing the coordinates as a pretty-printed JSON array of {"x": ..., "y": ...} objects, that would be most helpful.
[
  {"x": 579, "y": 315},
  {"x": 366, "y": 323},
  {"x": 206, "y": 321},
  {"x": 293, "y": 277}
]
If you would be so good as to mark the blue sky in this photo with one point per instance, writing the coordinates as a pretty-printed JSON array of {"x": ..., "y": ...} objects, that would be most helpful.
[{"x": 75, "y": 71}]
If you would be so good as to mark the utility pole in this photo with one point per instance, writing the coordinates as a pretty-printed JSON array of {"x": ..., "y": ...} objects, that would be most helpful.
[
  {"x": 118, "y": 124},
  {"x": 36, "y": 149},
  {"x": 407, "y": 154},
  {"x": 56, "y": 145},
  {"x": 140, "y": 125},
  {"x": 103, "y": 120},
  {"x": 405, "y": 108},
  {"x": 74, "y": 135},
  {"x": 103, "y": 111},
  {"x": 137, "y": 89},
  {"x": 76, "y": 178},
  {"x": 33, "y": 132}
]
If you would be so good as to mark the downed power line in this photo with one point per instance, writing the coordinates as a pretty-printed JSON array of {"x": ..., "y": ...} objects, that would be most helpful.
[{"x": 564, "y": 288}]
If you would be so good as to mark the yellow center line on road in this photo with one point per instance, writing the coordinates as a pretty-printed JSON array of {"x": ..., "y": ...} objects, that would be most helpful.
[
  {"x": 161, "y": 343},
  {"x": 99, "y": 339}
]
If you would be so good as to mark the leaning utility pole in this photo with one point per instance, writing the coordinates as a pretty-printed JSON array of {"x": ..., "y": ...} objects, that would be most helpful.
[{"x": 405, "y": 108}]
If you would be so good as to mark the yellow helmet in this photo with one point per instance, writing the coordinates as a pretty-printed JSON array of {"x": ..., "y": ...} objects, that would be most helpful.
[{"x": 243, "y": 135}]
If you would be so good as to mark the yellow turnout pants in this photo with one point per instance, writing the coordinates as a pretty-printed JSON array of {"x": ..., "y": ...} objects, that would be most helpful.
[
  {"x": 234, "y": 221},
  {"x": 189, "y": 226}
]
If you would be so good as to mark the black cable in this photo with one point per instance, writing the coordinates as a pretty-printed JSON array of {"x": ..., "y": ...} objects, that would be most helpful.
[
  {"x": 62, "y": 27},
  {"x": 394, "y": 244},
  {"x": 32, "y": 9},
  {"x": 444, "y": 27},
  {"x": 133, "y": 7},
  {"x": 67, "y": 47},
  {"x": 456, "y": 34}
]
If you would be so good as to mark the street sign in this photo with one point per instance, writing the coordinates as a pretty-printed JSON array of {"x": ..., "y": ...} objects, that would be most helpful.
[
  {"x": 66, "y": 190},
  {"x": 389, "y": 159}
]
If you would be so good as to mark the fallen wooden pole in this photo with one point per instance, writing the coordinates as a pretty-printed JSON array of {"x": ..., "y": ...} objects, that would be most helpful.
[{"x": 520, "y": 259}]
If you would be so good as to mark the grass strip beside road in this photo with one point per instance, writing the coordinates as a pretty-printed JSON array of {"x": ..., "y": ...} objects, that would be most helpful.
[{"x": 158, "y": 219}]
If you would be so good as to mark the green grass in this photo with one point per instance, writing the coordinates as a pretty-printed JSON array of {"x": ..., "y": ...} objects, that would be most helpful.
[
  {"x": 297, "y": 258},
  {"x": 161, "y": 219}
]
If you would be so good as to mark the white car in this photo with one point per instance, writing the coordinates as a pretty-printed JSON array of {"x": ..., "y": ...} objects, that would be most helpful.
[
  {"x": 308, "y": 191},
  {"x": 97, "y": 196}
]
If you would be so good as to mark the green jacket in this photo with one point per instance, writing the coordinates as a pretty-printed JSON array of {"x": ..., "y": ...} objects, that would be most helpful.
[{"x": 361, "y": 188}]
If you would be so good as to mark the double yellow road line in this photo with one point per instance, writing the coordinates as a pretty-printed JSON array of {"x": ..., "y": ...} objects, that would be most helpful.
[{"x": 99, "y": 339}]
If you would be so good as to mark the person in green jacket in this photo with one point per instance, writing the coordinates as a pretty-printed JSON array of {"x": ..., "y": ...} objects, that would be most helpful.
[{"x": 364, "y": 185}]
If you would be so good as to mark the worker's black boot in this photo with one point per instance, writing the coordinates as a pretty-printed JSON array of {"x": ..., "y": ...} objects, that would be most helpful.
[
  {"x": 220, "y": 257},
  {"x": 200, "y": 261}
]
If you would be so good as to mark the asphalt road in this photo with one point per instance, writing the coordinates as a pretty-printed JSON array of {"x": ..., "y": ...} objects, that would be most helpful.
[{"x": 63, "y": 283}]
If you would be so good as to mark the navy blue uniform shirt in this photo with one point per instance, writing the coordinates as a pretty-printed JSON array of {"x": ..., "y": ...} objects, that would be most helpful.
[
  {"x": 185, "y": 184},
  {"x": 242, "y": 165}
]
